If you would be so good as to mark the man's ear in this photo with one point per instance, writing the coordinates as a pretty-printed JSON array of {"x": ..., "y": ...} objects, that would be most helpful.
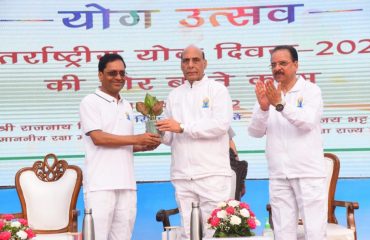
[
  {"x": 205, "y": 64},
  {"x": 100, "y": 76}
]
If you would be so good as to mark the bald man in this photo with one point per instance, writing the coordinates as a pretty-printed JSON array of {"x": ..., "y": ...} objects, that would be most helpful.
[{"x": 199, "y": 114}]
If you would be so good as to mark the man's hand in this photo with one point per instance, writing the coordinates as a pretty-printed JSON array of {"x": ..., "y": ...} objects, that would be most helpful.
[
  {"x": 169, "y": 125},
  {"x": 273, "y": 94},
  {"x": 262, "y": 99},
  {"x": 149, "y": 139},
  {"x": 143, "y": 148}
]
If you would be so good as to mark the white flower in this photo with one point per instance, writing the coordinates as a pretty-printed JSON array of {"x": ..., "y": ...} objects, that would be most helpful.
[
  {"x": 235, "y": 220},
  {"x": 221, "y": 204},
  {"x": 258, "y": 223},
  {"x": 233, "y": 203},
  {"x": 22, "y": 234},
  {"x": 15, "y": 224},
  {"x": 222, "y": 214},
  {"x": 244, "y": 212}
]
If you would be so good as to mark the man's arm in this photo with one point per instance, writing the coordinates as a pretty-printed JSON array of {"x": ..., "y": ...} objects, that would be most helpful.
[{"x": 101, "y": 138}]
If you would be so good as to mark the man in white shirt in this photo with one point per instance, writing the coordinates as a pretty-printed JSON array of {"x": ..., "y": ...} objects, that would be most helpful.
[
  {"x": 289, "y": 115},
  {"x": 107, "y": 125},
  {"x": 199, "y": 114}
]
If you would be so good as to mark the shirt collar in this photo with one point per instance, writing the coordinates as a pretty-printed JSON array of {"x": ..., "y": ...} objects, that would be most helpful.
[
  {"x": 106, "y": 96},
  {"x": 197, "y": 83},
  {"x": 298, "y": 85}
]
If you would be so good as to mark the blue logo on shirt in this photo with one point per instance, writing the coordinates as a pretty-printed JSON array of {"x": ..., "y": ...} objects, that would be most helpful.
[
  {"x": 300, "y": 102},
  {"x": 205, "y": 103},
  {"x": 127, "y": 116}
]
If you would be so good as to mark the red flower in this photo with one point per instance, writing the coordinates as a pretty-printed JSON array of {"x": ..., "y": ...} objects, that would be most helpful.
[
  {"x": 214, "y": 212},
  {"x": 251, "y": 223},
  {"x": 214, "y": 221},
  {"x": 230, "y": 210},
  {"x": 23, "y": 221},
  {"x": 1, "y": 224},
  {"x": 5, "y": 235},
  {"x": 30, "y": 233},
  {"x": 244, "y": 205},
  {"x": 8, "y": 217}
]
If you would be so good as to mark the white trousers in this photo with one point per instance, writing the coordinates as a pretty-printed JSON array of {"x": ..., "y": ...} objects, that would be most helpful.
[
  {"x": 114, "y": 213},
  {"x": 208, "y": 191},
  {"x": 305, "y": 198}
]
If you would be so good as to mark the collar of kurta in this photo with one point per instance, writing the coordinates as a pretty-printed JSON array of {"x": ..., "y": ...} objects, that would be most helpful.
[
  {"x": 197, "y": 83},
  {"x": 106, "y": 96}
]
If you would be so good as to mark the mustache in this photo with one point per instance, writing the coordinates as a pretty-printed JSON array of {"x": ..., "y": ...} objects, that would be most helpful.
[{"x": 279, "y": 72}]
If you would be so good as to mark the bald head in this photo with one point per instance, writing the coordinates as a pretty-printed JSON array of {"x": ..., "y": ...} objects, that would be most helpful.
[
  {"x": 193, "y": 48},
  {"x": 193, "y": 63}
]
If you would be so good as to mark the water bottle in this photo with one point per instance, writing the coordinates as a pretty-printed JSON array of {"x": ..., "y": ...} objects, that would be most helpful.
[
  {"x": 88, "y": 232},
  {"x": 267, "y": 231},
  {"x": 196, "y": 225}
]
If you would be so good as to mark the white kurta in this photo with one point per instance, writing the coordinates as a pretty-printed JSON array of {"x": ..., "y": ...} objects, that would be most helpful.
[
  {"x": 294, "y": 146},
  {"x": 202, "y": 149}
]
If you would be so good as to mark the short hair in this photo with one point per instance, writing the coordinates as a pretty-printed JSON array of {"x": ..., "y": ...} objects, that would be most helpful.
[
  {"x": 107, "y": 58},
  {"x": 291, "y": 49}
]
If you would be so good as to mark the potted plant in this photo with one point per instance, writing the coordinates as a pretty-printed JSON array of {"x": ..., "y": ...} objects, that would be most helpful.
[{"x": 150, "y": 108}]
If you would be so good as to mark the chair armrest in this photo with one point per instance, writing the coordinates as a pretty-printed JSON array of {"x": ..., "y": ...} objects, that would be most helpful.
[
  {"x": 350, "y": 209},
  {"x": 75, "y": 214},
  {"x": 16, "y": 215},
  {"x": 268, "y": 208},
  {"x": 163, "y": 216}
]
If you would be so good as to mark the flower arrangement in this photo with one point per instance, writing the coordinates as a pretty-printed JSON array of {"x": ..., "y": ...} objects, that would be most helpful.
[
  {"x": 233, "y": 219},
  {"x": 15, "y": 229},
  {"x": 151, "y": 107}
]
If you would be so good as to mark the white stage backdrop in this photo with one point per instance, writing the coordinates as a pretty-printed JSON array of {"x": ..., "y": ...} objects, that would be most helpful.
[{"x": 49, "y": 54}]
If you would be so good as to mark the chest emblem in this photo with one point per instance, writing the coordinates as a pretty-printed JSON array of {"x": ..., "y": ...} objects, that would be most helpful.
[
  {"x": 127, "y": 116},
  {"x": 300, "y": 102},
  {"x": 205, "y": 103}
]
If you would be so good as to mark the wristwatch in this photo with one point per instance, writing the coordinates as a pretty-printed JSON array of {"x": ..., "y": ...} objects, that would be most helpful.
[
  {"x": 279, "y": 107},
  {"x": 181, "y": 127}
]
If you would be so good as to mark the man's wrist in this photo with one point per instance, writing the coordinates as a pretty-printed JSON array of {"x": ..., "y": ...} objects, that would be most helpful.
[
  {"x": 280, "y": 106},
  {"x": 181, "y": 125}
]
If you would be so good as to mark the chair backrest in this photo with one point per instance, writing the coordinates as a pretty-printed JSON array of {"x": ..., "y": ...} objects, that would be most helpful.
[
  {"x": 333, "y": 166},
  {"x": 48, "y": 193}
]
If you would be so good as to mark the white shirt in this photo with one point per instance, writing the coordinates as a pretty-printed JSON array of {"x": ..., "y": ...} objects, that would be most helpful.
[
  {"x": 294, "y": 147},
  {"x": 107, "y": 168},
  {"x": 202, "y": 150}
]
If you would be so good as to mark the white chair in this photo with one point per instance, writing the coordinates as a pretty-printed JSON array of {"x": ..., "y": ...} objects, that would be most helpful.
[
  {"x": 48, "y": 193},
  {"x": 334, "y": 230}
]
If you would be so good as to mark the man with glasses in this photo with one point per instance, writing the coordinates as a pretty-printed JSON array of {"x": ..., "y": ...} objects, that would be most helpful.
[
  {"x": 199, "y": 114},
  {"x": 289, "y": 114},
  {"x": 107, "y": 123}
]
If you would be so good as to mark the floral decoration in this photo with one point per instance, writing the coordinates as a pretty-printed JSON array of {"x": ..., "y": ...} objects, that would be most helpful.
[
  {"x": 15, "y": 229},
  {"x": 233, "y": 219}
]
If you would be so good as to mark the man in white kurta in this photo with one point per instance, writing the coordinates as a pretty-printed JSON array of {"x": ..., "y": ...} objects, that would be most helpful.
[
  {"x": 198, "y": 114},
  {"x": 289, "y": 115},
  {"x": 107, "y": 125}
]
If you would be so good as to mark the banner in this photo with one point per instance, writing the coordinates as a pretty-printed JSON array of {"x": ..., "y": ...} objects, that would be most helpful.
[{"x": 50, "y": 49}]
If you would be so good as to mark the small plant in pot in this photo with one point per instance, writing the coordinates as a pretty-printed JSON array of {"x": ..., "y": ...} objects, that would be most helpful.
[{"x": 151, "y": 108}]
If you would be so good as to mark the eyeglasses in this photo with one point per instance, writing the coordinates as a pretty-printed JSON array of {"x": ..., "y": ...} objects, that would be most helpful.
[
  {"x": 282, "y": 64},
  {"x": 115, "y": 73}
]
